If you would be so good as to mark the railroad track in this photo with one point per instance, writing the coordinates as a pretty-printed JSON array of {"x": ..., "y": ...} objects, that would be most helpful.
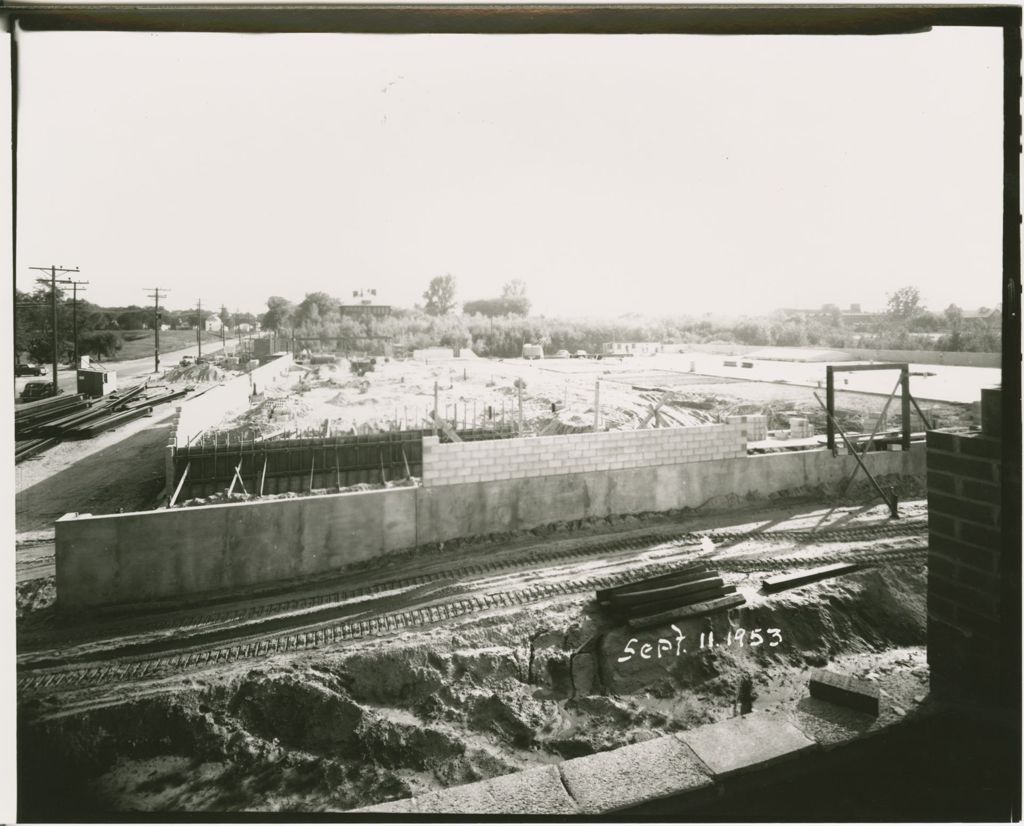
[{"x": 252, "y": 644}]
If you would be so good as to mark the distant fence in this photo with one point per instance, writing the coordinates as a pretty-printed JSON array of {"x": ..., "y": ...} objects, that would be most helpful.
[{"x": 273, "y": 466}]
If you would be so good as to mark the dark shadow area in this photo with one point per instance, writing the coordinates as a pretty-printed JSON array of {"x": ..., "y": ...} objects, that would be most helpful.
[
  {"x": 127, "y": 475},
  {"x": 947, "y": 768}
]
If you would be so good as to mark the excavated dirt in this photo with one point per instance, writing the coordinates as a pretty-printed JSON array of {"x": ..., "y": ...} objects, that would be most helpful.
[{"x": 330, "y": 730}]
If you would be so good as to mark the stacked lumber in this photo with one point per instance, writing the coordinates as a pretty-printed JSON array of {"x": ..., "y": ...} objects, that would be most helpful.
[
  {"x": 40, "y": 425},
  {"x": 691, "y": 590}
]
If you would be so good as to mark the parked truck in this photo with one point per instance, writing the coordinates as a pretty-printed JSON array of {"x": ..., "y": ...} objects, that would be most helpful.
[{"x": 533, "y": 351}]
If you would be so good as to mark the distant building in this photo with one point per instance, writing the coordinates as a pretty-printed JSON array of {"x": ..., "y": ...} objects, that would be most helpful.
[
  {"x": 213, "y": 324},
  {"x": 244, "y": 327},
  {"x": 982, "y": 313},
  {"x": 631, "y": 348},
  {"x": 365, "y": 305}
]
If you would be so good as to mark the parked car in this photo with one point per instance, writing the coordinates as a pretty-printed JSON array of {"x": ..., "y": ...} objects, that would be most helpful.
[
  {"x": 29, "y": 370},
  {"x": 562, "y": 354},
  {"x": 35, "y": 390},
  {"x": 580, "y": 354},
  {"x": 187, "y": 361}
]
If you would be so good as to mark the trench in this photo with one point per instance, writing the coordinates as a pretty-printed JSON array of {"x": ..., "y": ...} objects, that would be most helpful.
[{"x": 331, "y": 730}]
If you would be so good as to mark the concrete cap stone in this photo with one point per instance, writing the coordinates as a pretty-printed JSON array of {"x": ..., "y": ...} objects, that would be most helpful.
[
  {"x": 749, "y": 742},
  {"x": 613, "y": 780},
  {"x": 532, "y": 792}
]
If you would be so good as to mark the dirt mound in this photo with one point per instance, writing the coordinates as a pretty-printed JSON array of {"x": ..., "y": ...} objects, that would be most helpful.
[
  {"x": 340, "y": 729},
  {"x": 35, "y": 595}
]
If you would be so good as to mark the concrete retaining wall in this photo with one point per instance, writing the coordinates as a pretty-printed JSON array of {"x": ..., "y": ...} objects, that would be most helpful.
[
  {"x": 206, "y": 410},
  {"x": 471, "y": 509},
  {"x": 188, "y": 552},
  {"x": 541, "y": 456},
  {"x": 194, "y": 552}
]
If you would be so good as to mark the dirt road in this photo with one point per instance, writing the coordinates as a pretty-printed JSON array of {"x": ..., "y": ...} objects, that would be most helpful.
[{"x": 121, "y": 470}]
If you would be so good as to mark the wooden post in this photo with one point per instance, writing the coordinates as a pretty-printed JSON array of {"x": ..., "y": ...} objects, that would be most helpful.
[
  {"x": 337, "y": 466},
  {"x": 905, "y": 382},
  {"x": 177, "y": 490},
  {"x": 263, "y": 476},
  {"x": 829, "y": 426},
  {"x": 434, "y": 417},
  {"x": 405, "y": 459},
  {"x": 312, "y": 463},
  {"x": 597, "y": 405},
  {"x": 520, "y": 392}
]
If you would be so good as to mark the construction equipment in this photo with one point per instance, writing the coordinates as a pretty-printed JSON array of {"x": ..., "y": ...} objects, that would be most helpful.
[{"x": 361, "y": 365}]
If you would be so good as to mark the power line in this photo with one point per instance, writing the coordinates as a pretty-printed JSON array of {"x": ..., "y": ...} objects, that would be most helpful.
[
  {"x": 74, "y": 314},
  {"x": 155, "y": 295},
  {"x": 53, "y": 270}
]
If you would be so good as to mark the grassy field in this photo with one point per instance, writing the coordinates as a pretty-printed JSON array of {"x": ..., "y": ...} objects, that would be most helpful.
[{"x": 139, "y": 343}]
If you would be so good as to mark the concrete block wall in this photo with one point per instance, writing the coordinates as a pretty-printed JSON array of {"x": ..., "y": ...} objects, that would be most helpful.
[
  {"x": 187, "y": 554},
  {"x": 965, "y": 563},
  {"x": 504, "y": 459},
  {"x": 450, "y": 511},
  {"x": 755, "y": 426},
  {"x": 800, "y": 428}
]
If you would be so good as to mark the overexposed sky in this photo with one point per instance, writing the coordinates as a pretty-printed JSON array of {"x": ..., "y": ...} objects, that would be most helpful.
[{"x": 653, "y": 174}]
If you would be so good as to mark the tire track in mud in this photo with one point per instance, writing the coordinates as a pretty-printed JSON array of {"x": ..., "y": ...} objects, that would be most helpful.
[
  {"x": 316, "y": 631},
  {"x": 249, "y": 614}
]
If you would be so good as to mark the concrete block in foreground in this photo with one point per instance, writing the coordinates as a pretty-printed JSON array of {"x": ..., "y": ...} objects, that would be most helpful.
[
  {"x": 532, "y": 792},
  {"x": 614, "y": 780},
  {"x": 751, "y": 742},
  {"x": 844, "y": 690}
]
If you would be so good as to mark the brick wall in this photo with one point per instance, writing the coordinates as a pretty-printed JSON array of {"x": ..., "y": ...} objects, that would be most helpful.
[
  {"x": 755, "y": 426},
  {"x": 964, "y": 563},
  {"x": 465, "y": 462}
]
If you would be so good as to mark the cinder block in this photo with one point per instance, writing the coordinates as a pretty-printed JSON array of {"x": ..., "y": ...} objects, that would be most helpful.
[
  {"x": 744, "y": 743},
  {"x": 844, "y": 690}
]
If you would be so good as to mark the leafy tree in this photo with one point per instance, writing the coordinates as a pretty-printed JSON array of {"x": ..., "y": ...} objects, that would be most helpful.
[
  {"x": 440, "y": 295},
  {"x": 279, "y": 313},
  {"x": 99, "y": 343},
  {"x": 905, "y": 303},
  {"x": 316, "y": 308}
]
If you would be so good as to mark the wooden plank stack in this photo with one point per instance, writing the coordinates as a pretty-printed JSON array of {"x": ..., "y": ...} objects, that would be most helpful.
[{"x": 691, "y": 590}]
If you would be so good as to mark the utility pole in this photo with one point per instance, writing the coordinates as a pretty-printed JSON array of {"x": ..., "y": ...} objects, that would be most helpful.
[
  {"x": 199, "y": 327},
  {"x": 155, "y": 295},
  {"x": 74, "y": 314},
  {"x": 53, "y": 307},
  {"x": 223, "y": 328}
]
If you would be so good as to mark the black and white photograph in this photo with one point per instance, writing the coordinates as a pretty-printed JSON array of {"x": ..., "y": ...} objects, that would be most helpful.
[{"x": 513, "y": 412}]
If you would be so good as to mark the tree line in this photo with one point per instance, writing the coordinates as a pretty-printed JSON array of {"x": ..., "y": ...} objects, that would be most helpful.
[{"x": 499, "y": 326}]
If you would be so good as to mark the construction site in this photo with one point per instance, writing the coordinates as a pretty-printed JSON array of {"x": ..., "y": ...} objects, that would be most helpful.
[{"x": 450, "y": 584}]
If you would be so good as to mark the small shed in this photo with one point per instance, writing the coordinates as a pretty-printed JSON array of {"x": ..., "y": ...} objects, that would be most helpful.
[{"x": 96, "y": 382}]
